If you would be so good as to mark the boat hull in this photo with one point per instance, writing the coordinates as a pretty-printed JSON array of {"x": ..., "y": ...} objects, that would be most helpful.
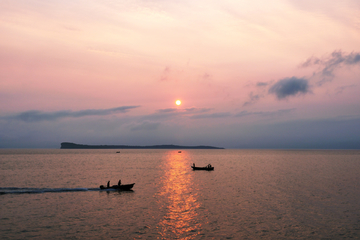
[
  {"x": 203, "y": 168},
  {"x": 123, "y": 187}
]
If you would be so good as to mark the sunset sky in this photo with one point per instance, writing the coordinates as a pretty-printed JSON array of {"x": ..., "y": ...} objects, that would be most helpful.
[{"x": 249, "y": 74}]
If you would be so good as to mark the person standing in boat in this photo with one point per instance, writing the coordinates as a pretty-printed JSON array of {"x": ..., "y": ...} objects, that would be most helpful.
[
  {"x": 108, "y": 184},
  {"x": 193, "y": 164},
  {"x": 119, "y": 183}
]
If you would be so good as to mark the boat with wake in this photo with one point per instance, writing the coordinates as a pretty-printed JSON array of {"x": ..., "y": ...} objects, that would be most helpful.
[{"x": 122, "y": 187}]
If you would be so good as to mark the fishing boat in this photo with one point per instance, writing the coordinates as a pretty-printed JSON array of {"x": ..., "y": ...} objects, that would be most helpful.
[
  {"x": 207, "y": 168},
  {"x": 122, "y": 187}
]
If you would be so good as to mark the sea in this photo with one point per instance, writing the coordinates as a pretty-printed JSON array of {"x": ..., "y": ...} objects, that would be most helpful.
[{"x": 251, "y": 194}]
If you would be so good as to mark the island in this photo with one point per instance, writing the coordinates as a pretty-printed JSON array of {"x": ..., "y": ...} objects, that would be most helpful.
[{"x": 69, "y": 145}]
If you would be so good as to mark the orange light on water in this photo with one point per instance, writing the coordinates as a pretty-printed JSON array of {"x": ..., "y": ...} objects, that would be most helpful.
[{"x": 181, "y": 220}]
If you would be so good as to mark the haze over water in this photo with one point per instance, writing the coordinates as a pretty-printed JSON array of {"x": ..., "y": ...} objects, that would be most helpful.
[{"x": 251, "y": 194}]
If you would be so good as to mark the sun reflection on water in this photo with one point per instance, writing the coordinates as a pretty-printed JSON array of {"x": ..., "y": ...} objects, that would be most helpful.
[{"x": 179, "y": 193}]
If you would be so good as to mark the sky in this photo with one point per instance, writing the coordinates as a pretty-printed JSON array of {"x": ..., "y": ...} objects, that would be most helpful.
[{"x": 279, "y": 74}]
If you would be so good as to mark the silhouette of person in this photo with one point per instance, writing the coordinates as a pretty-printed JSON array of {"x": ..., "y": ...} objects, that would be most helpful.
[
  {"x": 108, "y": 184},
  {"x": 119, "y": 183},
  {"x": 193, "y": 164}
]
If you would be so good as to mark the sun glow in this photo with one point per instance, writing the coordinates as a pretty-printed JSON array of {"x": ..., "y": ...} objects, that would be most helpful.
[{"x": 178, "y": 102}]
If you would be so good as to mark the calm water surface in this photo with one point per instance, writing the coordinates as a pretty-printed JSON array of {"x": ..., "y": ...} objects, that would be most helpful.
[{"x": 251, "y": 194}]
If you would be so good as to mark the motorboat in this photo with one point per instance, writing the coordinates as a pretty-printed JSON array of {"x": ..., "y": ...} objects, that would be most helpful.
[
  {"x": 207, "y": 168},
  {"x": 122, "y": 187}
]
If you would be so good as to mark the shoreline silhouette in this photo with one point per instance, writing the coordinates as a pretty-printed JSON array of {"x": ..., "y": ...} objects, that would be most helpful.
[{"x": 69, "y": 145}]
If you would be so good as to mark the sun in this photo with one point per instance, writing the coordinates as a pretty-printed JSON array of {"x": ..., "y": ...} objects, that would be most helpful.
[{"x": 178, "y": 102}]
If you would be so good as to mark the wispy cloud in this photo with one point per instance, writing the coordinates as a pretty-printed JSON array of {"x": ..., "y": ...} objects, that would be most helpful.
[
  {"x": 259, "y": 90},
  {"x": 165, "y": 75},
  {"x": 266, "y": 113},
  {"x": 294, "y": 86},
  {"x": 262, "y": 84},
  {"x": 183, "y": 110},
  {"x": 253, "y": 99},
  {"x": 197, "y": 110},
  {"x": 168, "y": 113},
  {"x": 329, "y": 64},
  {"x": 211, "y": 115},
  {"x": 341, "y": 89},
  {"x": 36, "y": 116},
  {"x": 167, "y": 110},
  {"x": 243, "y": 114},
  {"x": 290, "y": 87}
]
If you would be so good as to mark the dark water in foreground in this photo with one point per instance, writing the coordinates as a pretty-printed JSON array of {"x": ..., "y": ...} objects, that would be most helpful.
[{"x": 252, "y": 194}]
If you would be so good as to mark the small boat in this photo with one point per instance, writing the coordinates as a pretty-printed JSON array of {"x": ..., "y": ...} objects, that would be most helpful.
[
  {"x": 179, "y": 151},
  {"x": 122, "y": 187},
  {"x": 118, "y": 152},
  {"x": 207, "y": 168}
]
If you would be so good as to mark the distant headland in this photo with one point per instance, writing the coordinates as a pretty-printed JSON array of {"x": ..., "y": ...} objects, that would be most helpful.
[{"x": 69, "y": 145}]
